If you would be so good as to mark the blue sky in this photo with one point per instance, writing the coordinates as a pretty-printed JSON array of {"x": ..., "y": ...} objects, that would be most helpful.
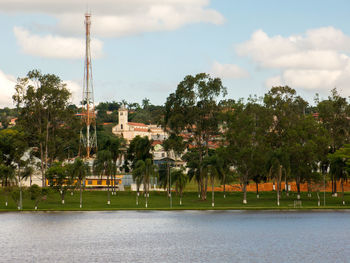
[{"x": 145, "y": 48}]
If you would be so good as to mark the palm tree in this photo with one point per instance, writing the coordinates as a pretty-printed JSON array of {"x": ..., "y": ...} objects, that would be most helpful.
[
  {"x": 8, "y": 178},
  {"x": 213, "y": 165},
  {"x": 79, "y": 171},
  {"x": 142, "y": 172},
  {"x": 115, "y": 145},
  {"x": 104, "y": 165},
  {"x": 180, "y": 179},
  {"x": 137, "y": 176}
]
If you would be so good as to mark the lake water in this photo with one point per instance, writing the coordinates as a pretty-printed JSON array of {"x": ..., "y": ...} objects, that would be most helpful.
[{"x": 179, "y": 236}]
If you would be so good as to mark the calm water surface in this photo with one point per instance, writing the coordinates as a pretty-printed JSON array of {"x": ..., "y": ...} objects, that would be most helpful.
[{"x": 186, "y": 236}]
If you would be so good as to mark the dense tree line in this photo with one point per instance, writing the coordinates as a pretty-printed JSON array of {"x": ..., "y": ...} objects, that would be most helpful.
[{"x": 278, "y": 137}]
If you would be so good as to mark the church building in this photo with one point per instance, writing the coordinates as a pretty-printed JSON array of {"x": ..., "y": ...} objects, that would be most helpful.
[{"x": 129, "y": 130}]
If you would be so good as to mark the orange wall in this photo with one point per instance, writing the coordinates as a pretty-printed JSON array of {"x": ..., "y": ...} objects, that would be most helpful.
[{"x": 268, "y": 187}]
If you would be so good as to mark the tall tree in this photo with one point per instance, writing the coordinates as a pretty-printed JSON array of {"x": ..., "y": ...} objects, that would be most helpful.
[
  {"x": 42, "y": 101},
  {"x": 285, "y": 108},
  {"x": 194, "y": 108},
  {"x": 340, "y": 166},
  {"x": 12, "y": 147},
  {"x": 247, "y": 127},
  {"x": 333, "y": 114}
]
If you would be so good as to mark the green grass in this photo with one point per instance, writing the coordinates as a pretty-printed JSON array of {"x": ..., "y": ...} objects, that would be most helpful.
[{"x": 97, "y": 200}]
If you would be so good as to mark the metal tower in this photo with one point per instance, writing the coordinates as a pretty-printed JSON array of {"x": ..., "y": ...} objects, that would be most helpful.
[{"x": 88, "y": 137}]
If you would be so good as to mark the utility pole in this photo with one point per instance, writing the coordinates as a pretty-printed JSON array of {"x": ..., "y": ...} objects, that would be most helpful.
[{"x": 88, "y": 137}]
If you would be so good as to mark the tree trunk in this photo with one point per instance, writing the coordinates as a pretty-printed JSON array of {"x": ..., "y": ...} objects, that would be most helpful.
[
  {"x": 257, "y": 190},
  {"x": 20, "y": 188},
  {"x": 62, "y": 197},
  {"x": 318, "y": 198},
  {"x": 298, "y": 187},
  {"x": 203, "y": 194},
  {"x": 335, "y": 187},
  {"x": 224, "y": 188},
  {"x": 46, "y": 143},
  {"x": 245, "y": 179},
  {"x": 342, "y": 190},
  {"x": 279, "y": 184},
  {"x": 146, "y": 196},
  {"x": 81, "y": 194},
  {"x": 181, "y": 196},
  {"x": 308, "y": 189},
  {"x": 108, "y": 193},
  {"x": 206, "y": 186},
  {"x": 42, "y": 165},
  {"x": 199, "y": 190},
  {"x": 212, "y": 192},
  {"x": 332, "y": 180}
]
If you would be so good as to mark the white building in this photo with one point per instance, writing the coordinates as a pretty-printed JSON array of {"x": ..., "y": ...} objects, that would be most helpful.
[{"x": 129, "y": 130}]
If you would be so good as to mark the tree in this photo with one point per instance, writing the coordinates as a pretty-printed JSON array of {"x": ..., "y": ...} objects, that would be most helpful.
[
  {"x": 143, "y": 171},
  {"x": 79, "y": 170},
  {"x": 37, "y": 194},
  {"x": 60, "y": 178},
  {"x": 285, "y": 107},
  {"x": 42, "y": 103},
  {"x": 179, "y": 178},
  {"x": 247, "y": 127},
  {"x": 8, "y": 179},
  {"x": 115, "y": 146},
  {"x": 340, "y": 166},
  {"x": 214, "y": 166},
  {"x": 12, "y": 147},
  {"x": 194, "y": 108},
  {"x": 192, "y": 163},
  {"x": 103, "y": 165},
  {"x": 176, "y": 144},
  {"x": 333, "y": 114}
]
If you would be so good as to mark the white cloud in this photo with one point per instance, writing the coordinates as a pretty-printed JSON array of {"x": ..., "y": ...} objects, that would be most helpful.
[
  {"x": 76, "y": 90},
  {"x": 316, "y": 60},
  {"x": 52, "y": 46},
  {"x": 119, "y": 17},
  {"x": 7, "y": 89},
  {"x": 228, "y": 71}
]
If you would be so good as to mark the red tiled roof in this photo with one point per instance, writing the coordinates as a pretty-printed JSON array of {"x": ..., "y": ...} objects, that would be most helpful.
[
  {"x": 154, "y": 143},
  {"x": 137, "y": 124},
  {"x": 140, "y": 129}
]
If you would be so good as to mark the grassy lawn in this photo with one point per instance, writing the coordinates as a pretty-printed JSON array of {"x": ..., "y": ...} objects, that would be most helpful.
[{"x": 97, "y": 200}]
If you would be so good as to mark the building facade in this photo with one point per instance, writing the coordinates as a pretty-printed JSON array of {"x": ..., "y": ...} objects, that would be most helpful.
[{"x": 129, "y": 130}]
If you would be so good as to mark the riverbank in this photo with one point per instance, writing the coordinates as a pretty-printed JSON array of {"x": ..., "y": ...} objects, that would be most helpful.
[{"x": 97, "y": 201}]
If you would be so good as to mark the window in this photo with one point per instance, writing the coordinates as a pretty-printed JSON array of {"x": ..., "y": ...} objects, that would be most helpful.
[
  {"x": 121, "y": 126},
  {"x": 99, "y": 182},
  {"x": 163, "y": 154},
  {"x": 108, "y": 182},
  {"x": 121, "y": 114},
  {"x": 89, "y": 181}
]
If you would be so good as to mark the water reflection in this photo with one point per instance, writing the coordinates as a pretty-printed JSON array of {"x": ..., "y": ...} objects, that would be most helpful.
[{"x": 187, "y": 236}]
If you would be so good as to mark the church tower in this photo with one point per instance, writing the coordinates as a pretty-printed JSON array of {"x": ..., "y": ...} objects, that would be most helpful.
[{"x": 123, "y": 118}]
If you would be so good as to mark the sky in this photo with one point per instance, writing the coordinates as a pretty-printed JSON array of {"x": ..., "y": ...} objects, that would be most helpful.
[{"x": 144, "y": 48}]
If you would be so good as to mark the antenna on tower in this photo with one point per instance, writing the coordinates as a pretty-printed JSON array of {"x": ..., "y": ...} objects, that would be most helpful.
[{"x": 88, "y": 136}]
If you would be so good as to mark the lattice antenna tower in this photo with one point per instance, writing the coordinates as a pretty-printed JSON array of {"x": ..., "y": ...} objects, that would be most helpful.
[{"x": 88, "y": 136}]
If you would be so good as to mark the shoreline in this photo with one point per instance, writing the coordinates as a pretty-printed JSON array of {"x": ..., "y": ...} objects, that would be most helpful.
[{"x": 330, "y": 209}]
